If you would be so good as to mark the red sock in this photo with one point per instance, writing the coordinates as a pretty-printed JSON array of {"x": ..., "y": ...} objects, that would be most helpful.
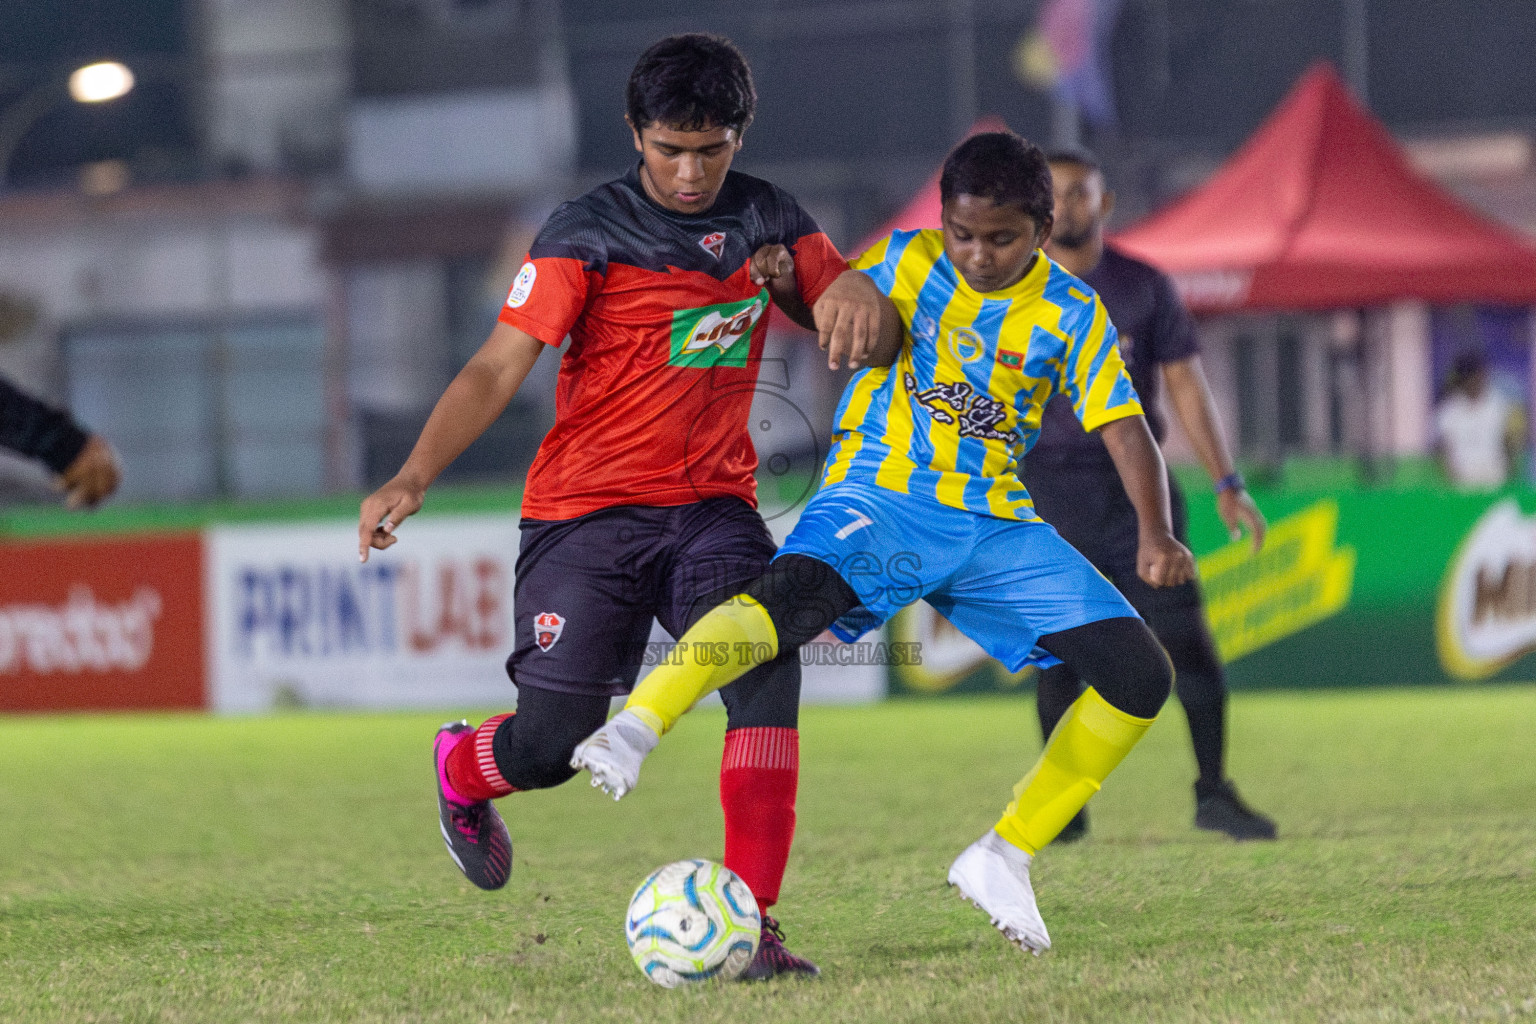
[
  {"x": 471, "y": 766},
  {"x": 758, "y": 777}
]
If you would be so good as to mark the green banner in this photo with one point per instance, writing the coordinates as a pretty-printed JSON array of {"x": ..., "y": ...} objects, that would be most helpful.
[{"x": 1352, "y": 588}]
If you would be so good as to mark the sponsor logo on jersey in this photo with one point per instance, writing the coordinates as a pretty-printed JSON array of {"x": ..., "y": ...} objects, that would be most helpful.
[
  {"x": 966, "y": 344},
  {"x": 957, "y": 403},
  {"x": 713, "y": 243},
  {"x": 716, "y": 335},
  {"x": 1011, "y": 359},
  {"x": 547, "y": 627},
  {"x": 522, "y": 286}
]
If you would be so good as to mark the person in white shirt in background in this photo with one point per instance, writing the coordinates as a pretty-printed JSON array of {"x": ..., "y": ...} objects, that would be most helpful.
[{"x": 1479, "y": 431}]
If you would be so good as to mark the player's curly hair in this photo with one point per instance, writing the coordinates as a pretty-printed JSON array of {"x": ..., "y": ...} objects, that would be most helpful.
[
  {"x": 690, "y": 82},
  {"x": 1002, "y": 167}
]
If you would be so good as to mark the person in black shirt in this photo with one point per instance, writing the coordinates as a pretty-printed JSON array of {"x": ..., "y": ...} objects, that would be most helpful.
[
  {"x": 1073, "y": 482},
  {"x": 83, "y": 464}
]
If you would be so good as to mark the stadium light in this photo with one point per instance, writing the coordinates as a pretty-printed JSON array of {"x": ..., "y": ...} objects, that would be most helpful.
[
  {"x": 98, "y": 83},
  {"x": 94, "y": 83}
]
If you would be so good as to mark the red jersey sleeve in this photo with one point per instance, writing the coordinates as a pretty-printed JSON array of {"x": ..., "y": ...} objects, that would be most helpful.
[
  {"x": 817, "y": 264},
  {"x": 817, "y": 261},
  {"x": 563, "y": 269}
]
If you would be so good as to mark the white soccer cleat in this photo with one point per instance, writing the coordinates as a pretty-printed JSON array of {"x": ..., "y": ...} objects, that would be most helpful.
[
  {"x": 615, "y": 752},
  {"x": 994, "y": 874}
]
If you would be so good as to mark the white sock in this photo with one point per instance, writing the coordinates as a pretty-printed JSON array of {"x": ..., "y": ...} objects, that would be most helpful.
[
  {"x": 1018, "y": 861},
  {"x": 633, "y": 730}
]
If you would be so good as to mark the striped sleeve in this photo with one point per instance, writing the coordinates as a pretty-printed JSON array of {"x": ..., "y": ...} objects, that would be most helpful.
[
  {"x": 1094, "y": 377},
  {"x": 879, "y": 261}
]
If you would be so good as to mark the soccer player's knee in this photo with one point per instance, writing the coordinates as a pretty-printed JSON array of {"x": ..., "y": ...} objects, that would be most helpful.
[
  {"x": 803, "y": 596},
  {"x": 1143, "y": 675}
]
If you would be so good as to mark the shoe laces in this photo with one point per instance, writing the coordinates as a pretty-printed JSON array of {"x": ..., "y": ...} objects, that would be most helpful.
[
  {"x": 773, "y": 935},
  {"x": 466, "y": 820}
]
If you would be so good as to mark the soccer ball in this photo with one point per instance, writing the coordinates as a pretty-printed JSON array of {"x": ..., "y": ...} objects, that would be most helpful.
[{"x": 691, "y": 921}]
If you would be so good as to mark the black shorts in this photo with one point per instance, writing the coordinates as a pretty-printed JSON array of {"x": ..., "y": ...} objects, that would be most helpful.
[
  {"x": 1092, "y": 512},
  {"x": 587, "y": 588}
]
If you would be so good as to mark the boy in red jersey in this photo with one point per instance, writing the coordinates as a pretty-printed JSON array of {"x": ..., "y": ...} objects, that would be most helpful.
[{"x": 641, "y": 502}]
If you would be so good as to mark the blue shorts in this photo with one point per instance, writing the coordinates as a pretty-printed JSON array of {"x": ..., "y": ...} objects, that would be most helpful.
[{"x": 1001, "y": 582}]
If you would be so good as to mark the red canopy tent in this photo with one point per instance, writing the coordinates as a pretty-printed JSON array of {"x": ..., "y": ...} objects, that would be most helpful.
[{"x": 1321, "y": 210}]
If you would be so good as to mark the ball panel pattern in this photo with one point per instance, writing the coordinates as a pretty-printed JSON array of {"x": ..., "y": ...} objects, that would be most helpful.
[{"x": 691, "y": 921}]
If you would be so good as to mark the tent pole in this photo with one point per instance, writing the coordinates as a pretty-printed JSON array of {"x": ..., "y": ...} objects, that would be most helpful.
[{"x": 1356, "y": 46}]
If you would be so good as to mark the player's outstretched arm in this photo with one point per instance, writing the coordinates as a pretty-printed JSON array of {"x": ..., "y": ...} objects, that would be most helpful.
[
  {"x": 857, "y": 322},
  {"x": 472, "y": 402},
  {"x": 1196, "y": 409},
  {"x": 1160, "y": 559}
]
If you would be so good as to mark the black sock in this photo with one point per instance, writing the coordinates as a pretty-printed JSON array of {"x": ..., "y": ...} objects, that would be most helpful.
[{"x": 1208, "y": 735}]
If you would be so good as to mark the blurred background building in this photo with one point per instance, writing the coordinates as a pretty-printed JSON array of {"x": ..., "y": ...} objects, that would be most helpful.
[{"x": 257, "y": 269}]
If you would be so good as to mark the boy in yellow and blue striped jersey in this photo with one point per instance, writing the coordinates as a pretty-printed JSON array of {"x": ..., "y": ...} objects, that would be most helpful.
[{"x": 921, "y": 498}]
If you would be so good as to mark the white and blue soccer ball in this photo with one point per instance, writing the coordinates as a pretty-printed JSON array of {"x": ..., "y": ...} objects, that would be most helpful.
[{"x": 692, "y": 921}]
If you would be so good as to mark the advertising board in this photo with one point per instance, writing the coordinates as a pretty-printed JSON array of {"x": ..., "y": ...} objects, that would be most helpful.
[
  {"x": 114, "y": 623},
  {"x": 1364, "y": 587},
  {"x": 297, "y": 620}
]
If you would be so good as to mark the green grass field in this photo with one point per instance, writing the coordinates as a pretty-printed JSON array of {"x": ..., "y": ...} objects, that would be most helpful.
[{"x": 196, "y": 869}]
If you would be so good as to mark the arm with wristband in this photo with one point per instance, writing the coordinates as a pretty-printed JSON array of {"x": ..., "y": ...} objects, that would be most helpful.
[
  {"x": 1192, "y": 402},
  {"x": 1176, "y": 350}
]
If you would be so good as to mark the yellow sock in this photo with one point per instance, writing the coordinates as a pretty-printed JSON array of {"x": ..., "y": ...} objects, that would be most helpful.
[
  {"x": 728, "y": 641},
  {"x": 1086, "y": 745}
]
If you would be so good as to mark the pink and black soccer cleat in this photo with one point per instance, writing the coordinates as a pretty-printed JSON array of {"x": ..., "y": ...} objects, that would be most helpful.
[
  {"x": 476, "y": 837},
  {"x": 773, "y": 960}
]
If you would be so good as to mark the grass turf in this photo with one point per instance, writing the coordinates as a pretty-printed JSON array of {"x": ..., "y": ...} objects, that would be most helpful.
[{"x": 289, "y": 869}]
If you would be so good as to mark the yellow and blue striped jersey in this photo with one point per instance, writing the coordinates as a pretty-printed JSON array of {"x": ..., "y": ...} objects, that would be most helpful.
[{"x": 953, "y": 416}]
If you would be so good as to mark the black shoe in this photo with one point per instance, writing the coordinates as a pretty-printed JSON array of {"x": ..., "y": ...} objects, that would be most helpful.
[
  {"x": 1076, "y": 829},
  {"x": 773, "y": 960},
  {"x": 1218, "y": 808},
  {"x": 476, "y": 836}
]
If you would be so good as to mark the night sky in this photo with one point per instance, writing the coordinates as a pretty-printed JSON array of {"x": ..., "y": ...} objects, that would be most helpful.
[{"x": 150, "y": 127}]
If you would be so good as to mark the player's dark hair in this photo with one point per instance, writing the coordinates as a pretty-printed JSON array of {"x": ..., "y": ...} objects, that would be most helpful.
[
  {"x": 691, "y": 82},
  {"x": 1468, "y": 362},
  {"x": 1002, "y": 167},
  {"x": 1075, "y": 155}
]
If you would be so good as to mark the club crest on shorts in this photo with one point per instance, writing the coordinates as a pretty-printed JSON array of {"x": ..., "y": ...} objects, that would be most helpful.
[
  {"x": 713, "y": 243},
  {"x": 547, "y": 627}
]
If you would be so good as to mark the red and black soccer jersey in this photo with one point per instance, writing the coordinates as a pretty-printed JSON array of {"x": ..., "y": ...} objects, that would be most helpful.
[{"x": 666, "y": 332}]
